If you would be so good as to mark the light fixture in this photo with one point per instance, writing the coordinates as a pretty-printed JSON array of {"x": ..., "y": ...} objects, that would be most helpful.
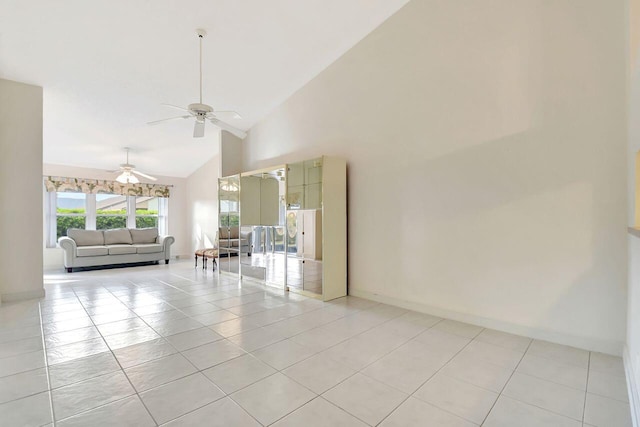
[
  {"x": 229, "y": 186},
  {"x": 127, "y": 177}
]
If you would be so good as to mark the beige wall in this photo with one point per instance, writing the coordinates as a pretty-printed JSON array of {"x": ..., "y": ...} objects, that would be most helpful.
[
  {"x": 202, "y": 205},
  {"x": 634, "y": 33},
  {"x": 20, "y": 191},
  {"x": 632, "y": 350},
  {"x": 230, "y": 154},
  {"x": 177, "y": 213},
  {"x": 486, "y": 150}
]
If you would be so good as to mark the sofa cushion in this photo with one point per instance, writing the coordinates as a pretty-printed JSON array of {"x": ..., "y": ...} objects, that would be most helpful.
[
  {"x": 86, "y": 237},
  {"x": 223, "y": 233},
  {"x": 117, "y": 236},
  {"x": 121, "y": 249},
  {"x": 229, "y": 233},
  {"x": 233, "y": 243},
  {"x": 148, "y": 248},
  {"x": 91, "y": 250},
  {"x": 144, "y": 235}
]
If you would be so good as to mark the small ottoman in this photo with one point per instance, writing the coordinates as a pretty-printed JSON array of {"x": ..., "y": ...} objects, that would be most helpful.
[
  {"x": 210, "y": 254},
  {"x": 206, "y": 253}
]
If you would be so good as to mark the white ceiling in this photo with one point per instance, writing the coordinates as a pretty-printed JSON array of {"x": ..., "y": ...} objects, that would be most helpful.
[{"x": 106, "y": 66}]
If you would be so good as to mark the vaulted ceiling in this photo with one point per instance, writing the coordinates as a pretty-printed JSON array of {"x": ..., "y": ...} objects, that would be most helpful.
[{"x": 106, "y": 66}]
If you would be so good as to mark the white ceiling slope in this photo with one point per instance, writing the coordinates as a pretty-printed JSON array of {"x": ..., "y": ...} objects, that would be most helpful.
[{"x": 106, "y": 65}]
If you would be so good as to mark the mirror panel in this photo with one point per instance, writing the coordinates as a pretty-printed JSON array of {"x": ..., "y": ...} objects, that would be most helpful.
[
  {"x": 251, "y": 261},
  {"x": 229, "y": 224},
  {"x": 304, "y": 225},
  {"x": 312, "y": 276},
  {"x": 313, "y": 184},
  {"x": 262, "y": 219}
]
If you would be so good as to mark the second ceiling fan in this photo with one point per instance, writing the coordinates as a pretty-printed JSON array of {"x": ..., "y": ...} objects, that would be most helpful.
[
  {"x": 202, "y": 112},
  {"x": 128, "y": 172}
]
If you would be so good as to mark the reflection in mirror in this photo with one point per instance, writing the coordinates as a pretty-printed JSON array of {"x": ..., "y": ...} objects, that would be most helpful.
[
  {"x": 313, "y": 184},
  {"x": 262, "y": 219},
  {"x": 304, "y": 225},
  {"x": 229, "y": 243},
  {"x": 249, "y": 253}
]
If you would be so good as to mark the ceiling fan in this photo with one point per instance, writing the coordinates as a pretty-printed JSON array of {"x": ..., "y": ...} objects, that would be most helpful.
[
  {"x": 202, "y": 112},
  {"x": 128, "y": 175}
]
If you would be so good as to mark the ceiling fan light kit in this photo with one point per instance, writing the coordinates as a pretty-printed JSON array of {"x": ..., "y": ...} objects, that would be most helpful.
[
  {"x": 129, "y": 172},
  {"x": 202, "y": 112},
  {"x": 127, "y": 177}
]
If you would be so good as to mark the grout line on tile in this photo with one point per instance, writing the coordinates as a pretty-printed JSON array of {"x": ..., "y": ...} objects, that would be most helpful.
[
  {"x": 506, "y": 383},
  {"x": 586, "y": 388},
  {"x": 409, "y": 395},
  {"x": 46, "y": 366},
  {"x": 121, "y": 368}
]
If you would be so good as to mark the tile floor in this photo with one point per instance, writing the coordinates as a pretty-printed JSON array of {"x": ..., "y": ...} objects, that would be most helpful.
[{"x": 170, "y": 345}]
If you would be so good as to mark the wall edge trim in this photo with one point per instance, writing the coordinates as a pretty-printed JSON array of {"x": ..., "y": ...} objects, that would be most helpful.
[
  {"x": 586, "y": 343},
  {"x": 20, "y": 296},
  {"x": 632, "y": 387}
]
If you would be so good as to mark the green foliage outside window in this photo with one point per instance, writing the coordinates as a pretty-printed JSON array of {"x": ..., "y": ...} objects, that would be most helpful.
[
  {"x": 146, "y": 218},
  {"x": 107, "y": 222},
  {"x": 111, "y": 212},
  {"x": 65, "y": 222},
  {"x": 111, "y": 218},
  {"x": 146, "y": 221},
  {"x": 229, "y": 220},
  {"x": 106, "y": 219},
  {"x": 71, "y": 211},
  {"x": 146, "y": 212}
]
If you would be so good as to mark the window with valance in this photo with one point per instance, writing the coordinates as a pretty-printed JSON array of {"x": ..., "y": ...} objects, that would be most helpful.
[
  {"x": 99, "y": 186},
  {"x": 101, "y": 204}
]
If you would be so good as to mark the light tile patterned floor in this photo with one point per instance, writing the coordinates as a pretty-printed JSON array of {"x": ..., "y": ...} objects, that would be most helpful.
[{"x": 169, "y": 344}]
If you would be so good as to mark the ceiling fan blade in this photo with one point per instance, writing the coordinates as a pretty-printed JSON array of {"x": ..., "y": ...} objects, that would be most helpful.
[
  {"x": 176, "y": 107},
  {"x": 164, "y": 120},
  {"x": 225, "y": 126},
  {"x": 198, "y": 129},
  {"x": 233, "y": 114},
  {"x": 145, "y": 175}
]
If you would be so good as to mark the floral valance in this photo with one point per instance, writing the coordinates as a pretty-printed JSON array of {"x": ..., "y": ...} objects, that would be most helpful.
[{"x": 100, "y": 186}]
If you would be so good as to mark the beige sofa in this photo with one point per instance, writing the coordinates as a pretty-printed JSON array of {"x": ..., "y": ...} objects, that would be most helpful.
[
  {"x": 89, "y": 248},
  {"x": 231, "y": 240}
]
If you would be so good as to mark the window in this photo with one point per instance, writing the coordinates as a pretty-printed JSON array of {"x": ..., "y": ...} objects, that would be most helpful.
[
  {"x": 71, "y": 212},
  {"x": 100, "y": 212},
  {"x": 111, "y": 211},
  {"x": 146, "y": 212}
]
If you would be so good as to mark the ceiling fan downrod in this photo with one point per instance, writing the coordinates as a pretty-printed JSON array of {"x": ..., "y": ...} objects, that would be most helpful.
[{"x": 201, "y": 34}]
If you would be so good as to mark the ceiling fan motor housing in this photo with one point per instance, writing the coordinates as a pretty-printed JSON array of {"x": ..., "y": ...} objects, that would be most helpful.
[
  {"x": 200, "y": 111},
  {"x": 200, "y": 108}
]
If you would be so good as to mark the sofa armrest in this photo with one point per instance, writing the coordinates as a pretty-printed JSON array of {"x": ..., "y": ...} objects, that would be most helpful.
[
  {"x": 69, "y": 247},
  {"x": 67, "y": 243},
  {"x": 166, "y": 242},
  {"x": 246, "y": 242}
]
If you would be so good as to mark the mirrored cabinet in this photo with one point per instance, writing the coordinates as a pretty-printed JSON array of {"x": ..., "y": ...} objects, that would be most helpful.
[{"x": 286, "y": 226}]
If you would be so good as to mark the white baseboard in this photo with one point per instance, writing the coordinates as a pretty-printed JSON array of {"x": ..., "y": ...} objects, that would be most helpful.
[
  {"x": 20, "y": 296},
  {"x": 592, "y": 344},
  {"x": 632, "y": 387}
]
